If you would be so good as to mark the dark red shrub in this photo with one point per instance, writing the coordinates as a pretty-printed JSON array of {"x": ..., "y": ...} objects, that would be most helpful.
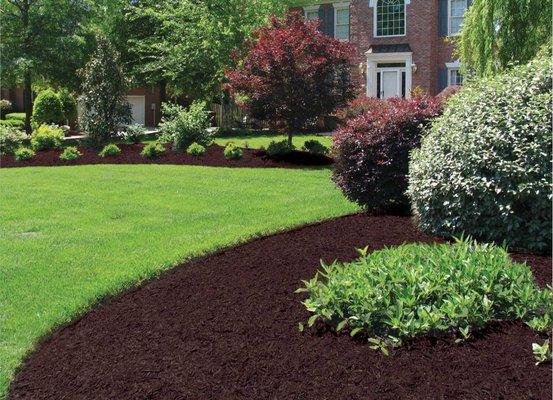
[
  {"x": 357, "y": 107},
  {"x": 292, "y": 74},
  {"x": 372, "y": 151}
]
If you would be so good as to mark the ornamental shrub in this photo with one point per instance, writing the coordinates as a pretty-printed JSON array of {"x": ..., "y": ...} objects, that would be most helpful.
[
  {"x": 70, "y": 153},
  {"x": 372, "y": 151},
  {"x": 24, "y": 153},
  {"x": 185, "y": 126},
  {"x": 134, "y": 133},
  {"x": 152, "y": 150},
  {"x": 47, "y": 137},
  {"x": 279, "y": 149},
  {"x": 315, "y": 147},
  {"x": 48, "y": 109},
  {"x": 5, "y": 107},
  {"x": 68, "y": 105},
  {"x": 484, "y": 168},
  {"x": 357, "y": 107},
  {"x": 196, "y": 149},
  {"x": 110, "y": 150},
  {"x": 10, "y": 139},
  {"x": 397, "y": 294},
  {"x": 16, "y": 116},
  {"x": 14, "y": 123},
  {"x": 232, "y": 152}
]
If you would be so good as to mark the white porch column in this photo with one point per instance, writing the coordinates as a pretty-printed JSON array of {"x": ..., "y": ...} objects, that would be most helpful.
[
  {"x": 408, "y": 76},
  {"x": 371, "y": 78}
]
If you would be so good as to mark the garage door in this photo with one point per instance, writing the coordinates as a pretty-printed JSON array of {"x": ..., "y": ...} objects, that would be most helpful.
[{"x": 138, "y": 109}]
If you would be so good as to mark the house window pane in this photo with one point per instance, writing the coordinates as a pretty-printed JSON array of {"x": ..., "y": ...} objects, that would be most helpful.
[
  {"x": 311, "y": 15},
  {"x": 390, "y": 17},
  {"x": 455, "y": 77},
  {"x": 342, "y": 24},
  {"x": 457, "y": 9}
]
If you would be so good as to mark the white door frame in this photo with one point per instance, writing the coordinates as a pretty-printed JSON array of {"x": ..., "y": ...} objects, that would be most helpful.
[
  {"x": 373, "y": 59},
  {"x": 398, "y": 71},
  {"x": 142, "y": 97}
]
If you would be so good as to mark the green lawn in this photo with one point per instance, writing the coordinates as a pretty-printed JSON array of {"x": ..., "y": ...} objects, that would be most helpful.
[
  {"x": 71, "y": 235},
  {"x": 258, "y": 141}
]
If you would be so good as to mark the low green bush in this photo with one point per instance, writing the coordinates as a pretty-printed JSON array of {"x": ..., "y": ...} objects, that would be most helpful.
[
  {"x": 24, "y": 153},
  {"x": 70, "y": 153},
  {"x": 232, "y": 152},
  {"x": 396, "y": 294},
  {"x": 110, "y": 150},
  {"x": 278, "y": 149},
  {"x": 14, "y": 123},
  {"x": 315, "y": 147},
  {"x": 10, "y": 139},
  {"x": 48, "y": 109},
  {"x": 152, "y": 150},
  {"x": 196, "y": 149},
  {"x": 5, "y": 107},
  {"x": 134, "y": 133},
  {"x": 16, "y": 116},
  {"x": 47, "y": 137}
]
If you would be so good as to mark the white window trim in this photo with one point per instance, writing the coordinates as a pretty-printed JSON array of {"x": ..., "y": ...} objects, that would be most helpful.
[
  {"x": 449, "y": 18},
  {"x": 372, "y": 61},
  {"x": 312, "y": 8},
  {"x": 373, "y": 4},
  {"x": 452, "y": 66},
  {"x": 337, "y": 7}
]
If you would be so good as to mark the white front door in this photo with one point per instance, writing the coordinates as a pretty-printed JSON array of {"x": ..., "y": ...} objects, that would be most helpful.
[
  {"x": 138, "y": 109},
  {"x": 390, "y": 83}
]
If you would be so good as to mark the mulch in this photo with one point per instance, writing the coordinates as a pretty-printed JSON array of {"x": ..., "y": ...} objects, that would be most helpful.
[
  {"x": 130, "y": 154},
  {"x": 226, "y": 327}
]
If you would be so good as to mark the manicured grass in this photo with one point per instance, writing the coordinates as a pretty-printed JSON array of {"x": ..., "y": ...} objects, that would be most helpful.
[
  {"x": 258, "y": 141},
  {"x": 72, "y": 235}
]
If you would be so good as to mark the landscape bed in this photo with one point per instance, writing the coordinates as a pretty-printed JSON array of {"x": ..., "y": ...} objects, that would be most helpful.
[
  {"x": 226, "y": 326},
  {"x": 130, "y": 154}
]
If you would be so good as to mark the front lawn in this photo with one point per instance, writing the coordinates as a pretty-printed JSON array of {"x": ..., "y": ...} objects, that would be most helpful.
[{"x": 70, "y": 236}]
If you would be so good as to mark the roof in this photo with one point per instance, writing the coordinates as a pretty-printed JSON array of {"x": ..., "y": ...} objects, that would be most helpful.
[{"x": 390, "y": 48}]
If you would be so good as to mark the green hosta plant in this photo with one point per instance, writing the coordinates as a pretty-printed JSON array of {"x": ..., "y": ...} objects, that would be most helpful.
[
  {"x": 397, "y": 294},
  {"x": 542, "y": 353},
  {"x": 70, "y": 153}
]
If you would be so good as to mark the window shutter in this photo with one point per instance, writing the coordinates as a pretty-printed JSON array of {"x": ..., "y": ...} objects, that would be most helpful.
[
  {"x": 442, "y": 79},
  {"x": 322, "y": 17},
  {"x": 330, "y": 20},
  {"x": 442, "y": 18}
]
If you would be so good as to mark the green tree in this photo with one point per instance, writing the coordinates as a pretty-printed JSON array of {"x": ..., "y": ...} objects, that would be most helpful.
[
  {"x": 41, "y": 39},
  {"x": 498, "y": 33},
  {"x": 104, "y": 94}
]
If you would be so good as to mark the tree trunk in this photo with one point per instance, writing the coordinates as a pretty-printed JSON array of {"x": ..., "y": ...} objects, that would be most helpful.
[
  {"x": 290, "y": 139},
  {"x": 162, "y": 92},
  {"x": 27, "y": 99}
]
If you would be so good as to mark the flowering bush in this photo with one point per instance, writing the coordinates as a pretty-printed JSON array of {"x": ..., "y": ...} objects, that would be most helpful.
[
  {"x": 484, "y": 169},
  {"x": 10, "y": 139},
  {"x": 372, "y": 151},
  {"x": 292, "y": 74}
]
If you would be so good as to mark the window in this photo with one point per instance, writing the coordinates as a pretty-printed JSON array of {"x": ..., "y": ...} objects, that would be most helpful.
[
  {"x": 311, "y": 13},
  {"x": 456, "y": 15},
  {"x": 390, "y": 18},
  {"x": 454, "y": 77},
  {"x": 341, "y": 22}
]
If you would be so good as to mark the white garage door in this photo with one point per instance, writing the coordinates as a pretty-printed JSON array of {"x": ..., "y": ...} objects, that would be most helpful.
[{"x": 138, "y": 109}]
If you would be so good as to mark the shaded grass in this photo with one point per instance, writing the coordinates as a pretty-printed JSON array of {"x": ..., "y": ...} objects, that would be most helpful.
[
  {"x": 71, "y": 235},
  {"x": 257, "y": 141}
]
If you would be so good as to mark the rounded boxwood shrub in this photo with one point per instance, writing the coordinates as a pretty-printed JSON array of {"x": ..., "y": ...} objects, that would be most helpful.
[
  {"x": 47, "y": 137},
  {"x": 70, "y": 153},
  {"x": 232, "y": 152},
  {"x": 372, "y": 151},
  {"x": 397, "y": 294},
  {"x": 279, "y": 149},
  {"x": 48, "y": 109},
  {"x": 315, "y": 147},
  {"x": 110, "y": 150},
  {"x": 196, "y": 149},
  {"x": 10, "y": 139},
  {"x": 484, "y": 169},
  {"x": 152, "y": 150},
  {"x": 24, "y": 153}
]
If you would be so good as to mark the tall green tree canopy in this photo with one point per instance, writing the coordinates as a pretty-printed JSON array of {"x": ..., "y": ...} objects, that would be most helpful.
[{"x": 497, "y": 33}]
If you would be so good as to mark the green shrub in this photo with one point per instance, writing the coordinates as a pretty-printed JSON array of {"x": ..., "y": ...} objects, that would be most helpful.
[
  {"x": 47, "y": 137},
  {"x": 5, "y": 107},
  {"x": 110, "y": 150},
  {"x": 48, "y": 109},
  {"x": 10, "y": 139},
  {"x": 315, "y": 147},
  {"x": 185, "y": 126},
  {"x": 279, "y": 149},
  {"x": 14, "y": 123},
  {"x": 16, "y": 116},
  {"x": 70, "y": 153},
  {"x": 196, "y": 149},
  {"x": 152, "y": 150},
  {"x": 134, "y": 133},
  {"x": 484, "y": 168},
  {"x": 232, "y": 152},
  {"x": 397, "y": 294},
  {"x": 24, "y": 153},
  {"x": 68, "y": 105}
]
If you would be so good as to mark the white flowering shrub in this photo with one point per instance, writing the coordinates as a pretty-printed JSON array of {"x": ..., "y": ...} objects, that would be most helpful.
[{"x": 484, "y": 167}]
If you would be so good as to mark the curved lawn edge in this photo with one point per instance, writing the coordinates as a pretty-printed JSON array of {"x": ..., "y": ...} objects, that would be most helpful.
[
  {"x": 277, "y": 211},
  {"x": 223, "y": 312}
]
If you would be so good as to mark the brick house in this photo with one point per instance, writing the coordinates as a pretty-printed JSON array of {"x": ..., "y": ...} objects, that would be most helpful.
[{"x": 399, "y": 44}]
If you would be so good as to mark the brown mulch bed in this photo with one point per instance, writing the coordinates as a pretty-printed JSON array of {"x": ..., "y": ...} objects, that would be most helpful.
[
  {"x": 226, "y": 327},
  {"x": 130, "y": 154}
]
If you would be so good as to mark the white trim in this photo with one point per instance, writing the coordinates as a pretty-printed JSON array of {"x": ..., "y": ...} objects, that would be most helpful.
[
  {"x": 311, "y": 8},
  {"x": 373, "y": 4},
  {"x": 337, "y": 7},
  {"x": 449, "y": 17},
  {"x": 454, "y": 64},
  {"x": 374, "y": 58}
]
